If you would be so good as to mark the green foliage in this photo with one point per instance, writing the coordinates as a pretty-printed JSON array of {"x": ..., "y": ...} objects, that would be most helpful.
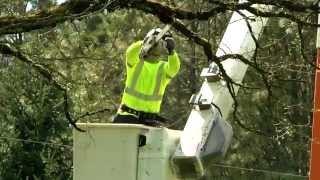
[
  {"x": 283, "y": 115},
  {"x": 32, "y": 110},
  {"x": 87, "y": 57}
]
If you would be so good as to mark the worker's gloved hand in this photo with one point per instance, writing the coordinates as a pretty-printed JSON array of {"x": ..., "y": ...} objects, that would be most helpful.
[{"x": 170, "y": 44}]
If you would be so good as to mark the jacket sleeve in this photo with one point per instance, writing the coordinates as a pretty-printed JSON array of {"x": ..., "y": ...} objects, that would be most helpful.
[
  {"x": 132, "y": 53},
  {"x": 173, "y": 65}
]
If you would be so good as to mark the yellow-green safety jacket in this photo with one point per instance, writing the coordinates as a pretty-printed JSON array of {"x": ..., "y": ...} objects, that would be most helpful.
[{"x": 146, "y": 81}]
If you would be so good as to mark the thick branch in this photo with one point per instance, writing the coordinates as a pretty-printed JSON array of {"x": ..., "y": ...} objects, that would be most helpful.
[
  {"x": 289, "y": 5},
  {"x": 281, "y": 14},
  {"x": 75, "y": 9},
  {"x": 158, "y": 9}
]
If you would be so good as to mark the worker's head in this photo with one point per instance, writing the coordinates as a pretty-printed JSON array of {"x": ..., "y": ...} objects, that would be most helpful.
[{"x": 158, "y": 48}]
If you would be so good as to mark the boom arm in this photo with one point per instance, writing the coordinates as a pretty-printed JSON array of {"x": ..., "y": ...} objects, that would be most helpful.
[
  {"x": 145, "y": 153},
  {"x": 196, "y": 134}
]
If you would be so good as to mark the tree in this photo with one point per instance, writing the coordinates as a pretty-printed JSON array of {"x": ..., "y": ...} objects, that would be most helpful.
[
  {"x": 78, "y": 48},
  {"x": 32, "y": 111}
]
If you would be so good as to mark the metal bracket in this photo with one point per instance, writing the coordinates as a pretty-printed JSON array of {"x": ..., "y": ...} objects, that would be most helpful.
[
  {"x": 200, "y": 101},
  {"x": 212, "y": 73}
]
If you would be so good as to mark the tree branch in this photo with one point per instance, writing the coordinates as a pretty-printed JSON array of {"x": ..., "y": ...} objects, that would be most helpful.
[
  {"x": 289, "y": 5},
  {"x": 77, "y": 9},
  {"x": 8, "y": 50},
  {"x": 93, "y": 113},
  {"x": 73, "y": 9}
]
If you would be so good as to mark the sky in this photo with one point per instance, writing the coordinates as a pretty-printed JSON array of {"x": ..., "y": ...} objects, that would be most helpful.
[
  {"x": 61, "y": 1},
  {"x": 29, "y": 6}
]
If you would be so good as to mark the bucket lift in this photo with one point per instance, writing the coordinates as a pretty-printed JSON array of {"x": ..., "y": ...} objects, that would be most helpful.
[
  {"x": 137, "y": 152},
  {"x": 206, "y": 134}
]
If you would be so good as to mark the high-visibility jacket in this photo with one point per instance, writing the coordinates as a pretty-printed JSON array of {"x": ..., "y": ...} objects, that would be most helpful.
[{"x": 147, "y": 80}]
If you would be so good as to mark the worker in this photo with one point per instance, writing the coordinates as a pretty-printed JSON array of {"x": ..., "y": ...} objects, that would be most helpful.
[{"x": 147, "y": 77}]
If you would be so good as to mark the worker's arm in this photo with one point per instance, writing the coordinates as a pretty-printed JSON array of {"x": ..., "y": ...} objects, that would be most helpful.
[
  {"x": 173, "y": 65},
  {"x": 132, "y": 53}
]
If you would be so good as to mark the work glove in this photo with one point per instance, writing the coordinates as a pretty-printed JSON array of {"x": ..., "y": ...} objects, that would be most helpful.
[{"x": 170, "y": 44}]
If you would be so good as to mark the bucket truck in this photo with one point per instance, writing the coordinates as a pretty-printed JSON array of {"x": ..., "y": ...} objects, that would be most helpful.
[{"x": 138, "y": 152}]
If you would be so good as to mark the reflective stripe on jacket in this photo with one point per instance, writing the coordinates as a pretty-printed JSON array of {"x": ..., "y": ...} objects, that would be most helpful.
[{"x": 146, "y": 81}]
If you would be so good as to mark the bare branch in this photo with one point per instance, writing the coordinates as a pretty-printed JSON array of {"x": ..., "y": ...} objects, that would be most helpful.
[
  {"x": 289, "y": 5},
  {"x": 94, "y": 113},
  {"x": 280, "y": 14},
  {"x": 8, "y": 50},
  {"x": 255, "y": 65},
  {"x": 243, "y": 126},
  {"x": 300, "y": 27},
  {"x": 58, "y": 14},
  {"x": 79, "y": 9},
  {"x": 207, "y": 48}
]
